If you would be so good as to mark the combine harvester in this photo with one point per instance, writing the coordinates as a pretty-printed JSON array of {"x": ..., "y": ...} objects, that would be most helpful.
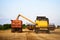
[{"x": 41, "y": 24}]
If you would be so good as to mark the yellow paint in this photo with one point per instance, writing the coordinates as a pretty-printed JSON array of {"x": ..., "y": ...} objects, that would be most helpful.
[{"x": 41, "y": 23}]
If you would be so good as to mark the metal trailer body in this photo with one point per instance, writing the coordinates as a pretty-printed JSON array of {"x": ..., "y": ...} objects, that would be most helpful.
[{"x": 16, "y": 25}]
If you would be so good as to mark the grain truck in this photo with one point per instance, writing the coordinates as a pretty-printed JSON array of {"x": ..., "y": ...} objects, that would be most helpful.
[{"x": 16, "y": 25}]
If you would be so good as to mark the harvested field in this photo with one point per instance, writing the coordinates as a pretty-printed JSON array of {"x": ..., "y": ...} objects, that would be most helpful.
[{"x": 29, "y": 35}]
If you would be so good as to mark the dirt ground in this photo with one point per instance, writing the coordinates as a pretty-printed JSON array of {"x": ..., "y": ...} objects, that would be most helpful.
[{"x": 29, "y": 35}]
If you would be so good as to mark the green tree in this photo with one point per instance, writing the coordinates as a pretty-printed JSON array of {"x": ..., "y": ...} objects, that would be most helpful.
[
  {"x": 1, "y": 27},
  {"x": 24, "y": 26},
  {"x": 6, "y": 26}
]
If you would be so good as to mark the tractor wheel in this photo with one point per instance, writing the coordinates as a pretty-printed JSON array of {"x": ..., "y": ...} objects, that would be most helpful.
[
  {"x": 13, "y": 30},
  {"x": 19, "y": 29},
  {"x": 36, "y": 30},
  {"x": 48, "y": 31}
]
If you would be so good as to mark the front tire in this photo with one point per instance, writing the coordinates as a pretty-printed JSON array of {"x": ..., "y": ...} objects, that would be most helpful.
[{"x": 48, "y": 31}]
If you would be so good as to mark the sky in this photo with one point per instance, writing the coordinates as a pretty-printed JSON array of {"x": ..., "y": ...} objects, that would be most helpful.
[{"x": 9, "y": 9}]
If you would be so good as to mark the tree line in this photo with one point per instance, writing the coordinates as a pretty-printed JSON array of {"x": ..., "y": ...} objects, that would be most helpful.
[
  {"x": 5, "y": 26},
  {"x": 8, "y": 26}
]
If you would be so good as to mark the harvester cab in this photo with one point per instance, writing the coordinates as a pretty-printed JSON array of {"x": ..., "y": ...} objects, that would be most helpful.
[{"x": 42, "y": 24}]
